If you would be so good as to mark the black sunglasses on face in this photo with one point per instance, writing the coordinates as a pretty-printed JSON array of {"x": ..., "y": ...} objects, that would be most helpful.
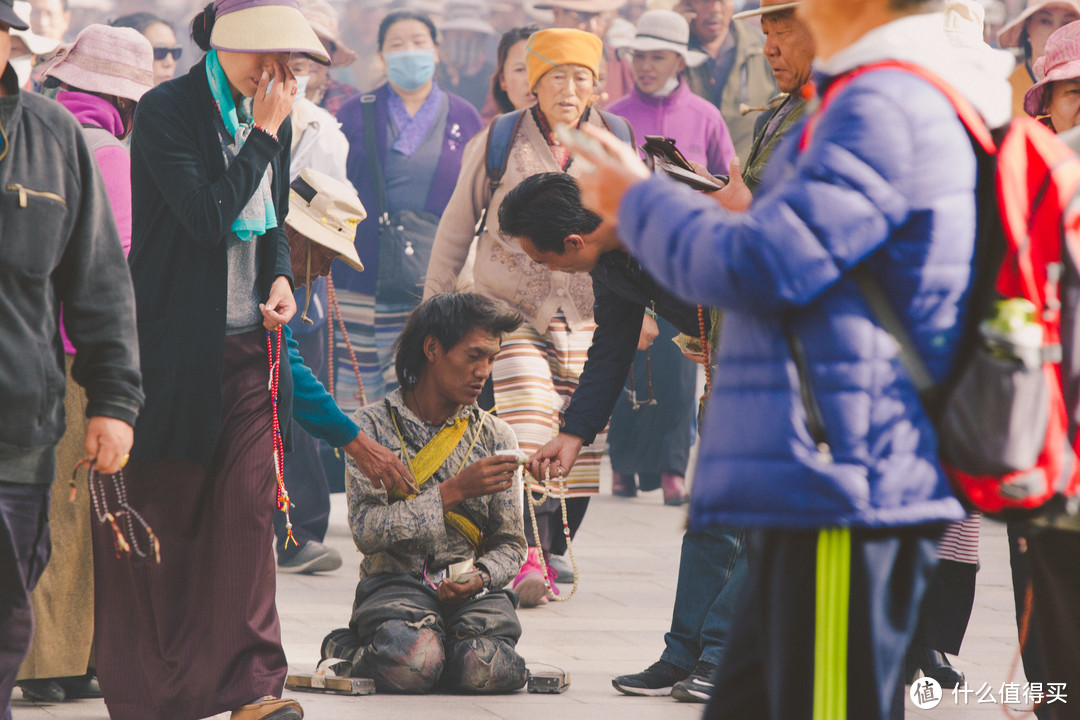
[{"x": 160, "y": 53}]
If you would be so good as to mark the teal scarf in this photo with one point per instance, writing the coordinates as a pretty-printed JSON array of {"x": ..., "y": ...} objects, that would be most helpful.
[{"x": 258, "y": 214}]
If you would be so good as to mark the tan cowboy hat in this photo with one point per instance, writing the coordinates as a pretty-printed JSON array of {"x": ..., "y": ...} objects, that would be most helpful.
[
  {"x": 767, "y": 6},
  {"x": 326, "y": 211},
  {"x": 323, "y": 19},
  {"x": 1009, "y": 36}
]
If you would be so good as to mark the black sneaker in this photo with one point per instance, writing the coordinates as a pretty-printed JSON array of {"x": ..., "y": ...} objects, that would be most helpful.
[
  {"x": 699, "y": 686},
  {"x": 655, "y": 680}
]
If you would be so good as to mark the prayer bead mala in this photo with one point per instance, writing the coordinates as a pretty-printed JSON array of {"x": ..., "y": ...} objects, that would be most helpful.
[
  {"x": 335, "y": 312},
  {"x": 545, "y": 493},
  {"x": 283, "y": 503},
  {"x": 126, "y": 539},
  {"x": 705, "y": 349}
]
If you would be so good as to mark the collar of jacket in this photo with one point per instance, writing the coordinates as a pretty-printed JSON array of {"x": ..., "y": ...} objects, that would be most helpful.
[
  {"x": 672, "y": 98},
  {"x": 10, "y": 107}
]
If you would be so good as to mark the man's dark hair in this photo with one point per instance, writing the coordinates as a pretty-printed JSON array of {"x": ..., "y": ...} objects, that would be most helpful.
[
  {"x": 398, "y": 16},
  {"x": 546, "y": 208},
  {"x": 448, "y": 318}
]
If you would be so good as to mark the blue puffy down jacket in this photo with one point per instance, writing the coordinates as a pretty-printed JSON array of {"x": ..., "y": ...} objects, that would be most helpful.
[{"x": 888, "y": 179}]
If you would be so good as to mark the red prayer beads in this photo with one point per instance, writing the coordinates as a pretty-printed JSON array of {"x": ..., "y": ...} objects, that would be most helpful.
[{"x": 273, "y": 356}]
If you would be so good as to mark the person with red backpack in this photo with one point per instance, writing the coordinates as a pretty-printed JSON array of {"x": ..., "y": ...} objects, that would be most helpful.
[{"x": 833, "y": 460}]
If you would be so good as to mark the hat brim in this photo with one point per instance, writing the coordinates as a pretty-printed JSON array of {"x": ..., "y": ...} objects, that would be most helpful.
[
  {"x": 36, "y": 44},
  {"x": 764, "y": 10},
  {"x": 584, "y": 6},
  {"x": 9, "y": 17},
  {"x": 468, "y": 24},
  {"x": 84, "y": 79},
  {"x": 267, "y": 29},
  {"x": 300, "y": 221},
  {"x": 1035, "y": 97},
  {"x": 1009, "y": 35},
  {"x": 693, "y": 58}
]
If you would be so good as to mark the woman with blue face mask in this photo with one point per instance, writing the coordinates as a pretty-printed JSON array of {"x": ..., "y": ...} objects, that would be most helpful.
[{"x": 419, "y": 134}]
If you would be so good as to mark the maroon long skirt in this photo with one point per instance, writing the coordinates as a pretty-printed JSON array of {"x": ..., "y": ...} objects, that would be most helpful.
[{"x": 198, "y": 634}]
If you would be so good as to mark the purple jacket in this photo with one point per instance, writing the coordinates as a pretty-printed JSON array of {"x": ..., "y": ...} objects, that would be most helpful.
[
  {"x": 462, "y": 123},
  {"x": 693, "y": 122},
  {"x": 112, "y": 160}
]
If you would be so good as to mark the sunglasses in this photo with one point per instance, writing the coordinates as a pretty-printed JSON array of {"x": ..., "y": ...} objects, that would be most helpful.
[{"x": 160, "y": 53}]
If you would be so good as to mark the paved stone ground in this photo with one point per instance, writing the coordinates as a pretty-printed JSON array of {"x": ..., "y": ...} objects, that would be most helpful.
[{"x": 628, "y": 554}]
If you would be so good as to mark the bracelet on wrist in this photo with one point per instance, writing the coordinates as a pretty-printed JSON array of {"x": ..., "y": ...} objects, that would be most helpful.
[{"x": 257, "y": 126}]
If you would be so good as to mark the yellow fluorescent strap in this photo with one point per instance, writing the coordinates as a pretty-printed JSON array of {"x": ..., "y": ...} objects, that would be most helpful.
[{"x": 832, "y": 588}]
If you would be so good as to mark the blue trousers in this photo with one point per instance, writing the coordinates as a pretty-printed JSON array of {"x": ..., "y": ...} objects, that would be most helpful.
[
  {"x": 712, "y": 572},
  {"x": 768, "y": 670},
  {"x": 24, "y": 551}
]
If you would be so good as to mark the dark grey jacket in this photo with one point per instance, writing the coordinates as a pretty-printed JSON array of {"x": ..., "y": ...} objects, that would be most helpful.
[{"x": 58, "y": 245}]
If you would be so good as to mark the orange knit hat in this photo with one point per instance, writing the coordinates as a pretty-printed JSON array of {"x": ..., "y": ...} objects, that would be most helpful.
[{"x": 548, "y": 49}]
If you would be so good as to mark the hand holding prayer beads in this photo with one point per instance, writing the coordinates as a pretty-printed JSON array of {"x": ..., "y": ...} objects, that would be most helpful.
[{"x": 108, "y": 497}]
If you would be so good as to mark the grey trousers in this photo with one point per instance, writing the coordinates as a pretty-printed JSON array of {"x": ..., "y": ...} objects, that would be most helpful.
[{"x": 403, "y": 638}]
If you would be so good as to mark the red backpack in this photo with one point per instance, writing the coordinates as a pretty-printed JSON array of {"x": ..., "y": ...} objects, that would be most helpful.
[{"x": 1001, "y": 417}]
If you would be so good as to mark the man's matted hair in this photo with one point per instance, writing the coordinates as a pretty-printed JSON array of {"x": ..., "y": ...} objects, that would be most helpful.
[
  {"x": 546, "y": 208},
  {"x": 448, "y": 318}
]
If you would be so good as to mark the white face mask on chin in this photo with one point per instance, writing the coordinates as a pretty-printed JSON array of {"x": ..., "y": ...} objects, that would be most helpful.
[
  {"x": 668, "y": 88},
  {"x": 22, "y": 66}
]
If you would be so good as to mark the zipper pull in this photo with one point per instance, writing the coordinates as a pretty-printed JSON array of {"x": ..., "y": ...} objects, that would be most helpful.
[{"x": 22, "y": 193}]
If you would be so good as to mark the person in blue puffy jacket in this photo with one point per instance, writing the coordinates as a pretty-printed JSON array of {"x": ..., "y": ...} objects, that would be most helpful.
[{"x": 830, "y": 461}]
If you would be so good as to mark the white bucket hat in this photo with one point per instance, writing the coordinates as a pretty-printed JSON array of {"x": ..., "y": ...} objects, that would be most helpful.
[
  {"x": 326, "y": 211},
  {"x": 665, "y": 30}
]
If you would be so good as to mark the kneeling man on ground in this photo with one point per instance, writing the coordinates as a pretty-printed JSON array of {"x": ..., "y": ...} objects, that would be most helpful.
[{"x": 412, "y": 624}]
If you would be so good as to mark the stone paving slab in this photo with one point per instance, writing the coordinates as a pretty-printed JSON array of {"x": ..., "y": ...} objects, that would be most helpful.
[{"x": 628, "y": 553}]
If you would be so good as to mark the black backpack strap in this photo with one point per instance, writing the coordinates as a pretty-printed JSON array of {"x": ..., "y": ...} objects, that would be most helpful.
[
  {"x": 883, "y": 311},
  {"x": 371, "y": 148},
  {"x": 619, "y": 126},
  {"x": 497, "y": 154}
]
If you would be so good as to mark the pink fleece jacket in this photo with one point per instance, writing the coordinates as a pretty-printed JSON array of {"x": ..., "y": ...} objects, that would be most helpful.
[
  {"x": 112, "y": 160},
  {"x": 694, "y": 123}
]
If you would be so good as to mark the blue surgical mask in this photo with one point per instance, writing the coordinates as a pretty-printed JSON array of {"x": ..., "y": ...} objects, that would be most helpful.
[
  {"x": 409, "y": 69},
  {"x": 301, "y": 85}
]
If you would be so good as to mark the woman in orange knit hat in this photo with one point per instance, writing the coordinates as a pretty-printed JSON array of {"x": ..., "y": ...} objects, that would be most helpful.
[{"x": 537, "y": 370}]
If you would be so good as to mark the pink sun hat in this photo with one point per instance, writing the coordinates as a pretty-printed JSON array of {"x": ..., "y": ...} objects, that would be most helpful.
[
  {"x": 108, "y": 60},
  {"x": 1009, "y": 35},
  {"x": 1061, "y": 62}
]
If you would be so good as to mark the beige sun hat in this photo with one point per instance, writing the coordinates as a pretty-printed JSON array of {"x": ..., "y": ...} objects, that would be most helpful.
[
  {"x": 323, "y": 19},
  {"x": 767, "y": 6},
  {"x": 36, "y": 44},
  {"x": 1009, "y": 36},
  {"x": 326, "y": 211},
  {"x": 264, "y": 26}
]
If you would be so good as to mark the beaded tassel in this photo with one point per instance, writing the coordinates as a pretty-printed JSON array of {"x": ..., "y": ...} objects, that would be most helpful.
[
  {"x": 283, "y": 503},
  {"x": 705, "y": 349},
  {"x": 545, "y": 493}
]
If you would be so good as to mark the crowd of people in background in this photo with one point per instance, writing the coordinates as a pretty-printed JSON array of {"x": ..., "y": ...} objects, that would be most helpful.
[{"x": 489, "y": 293}]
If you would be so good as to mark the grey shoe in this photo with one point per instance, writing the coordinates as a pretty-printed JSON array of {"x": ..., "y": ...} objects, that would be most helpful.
[
  {"x": 564, "y": 569},
  {"x": 312, "y": 557},
  {"x": 42, "y": 690}
]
